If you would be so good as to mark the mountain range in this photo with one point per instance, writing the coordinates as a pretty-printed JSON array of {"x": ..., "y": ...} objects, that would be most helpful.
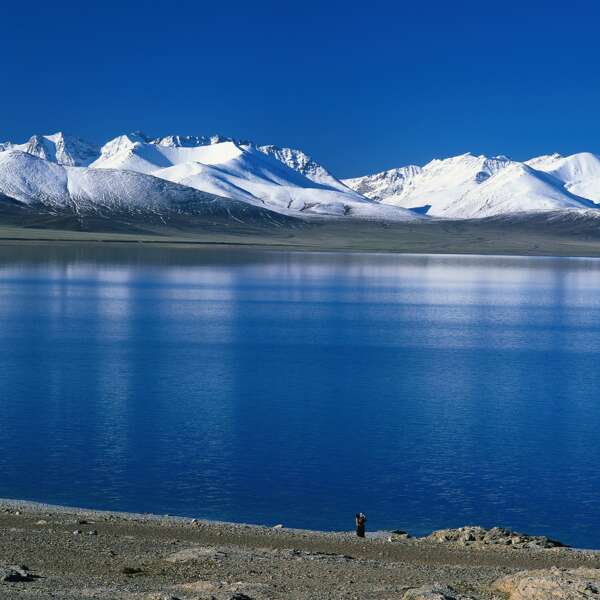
[
  {"x": 242, "y": 180},
  {"x": 469, "y": 186}
]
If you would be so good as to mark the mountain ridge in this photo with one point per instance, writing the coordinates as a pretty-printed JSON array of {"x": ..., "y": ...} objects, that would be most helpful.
[{"x": 289, "y": 182}]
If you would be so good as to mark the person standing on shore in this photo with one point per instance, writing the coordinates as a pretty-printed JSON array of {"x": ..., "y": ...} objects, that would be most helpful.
[{"x": 360, "y": 519}]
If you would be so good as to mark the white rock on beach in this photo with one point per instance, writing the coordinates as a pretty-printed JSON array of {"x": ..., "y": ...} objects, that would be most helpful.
[{"x": 549, "y": 584}]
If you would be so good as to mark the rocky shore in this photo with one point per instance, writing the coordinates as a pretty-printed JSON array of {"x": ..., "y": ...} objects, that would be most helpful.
[{"x": 50, "y": 552}]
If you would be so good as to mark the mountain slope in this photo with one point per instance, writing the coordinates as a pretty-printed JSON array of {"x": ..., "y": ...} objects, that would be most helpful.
[
  {"x": 579, "y": 173},
  {"x": 304, "y": 164}
]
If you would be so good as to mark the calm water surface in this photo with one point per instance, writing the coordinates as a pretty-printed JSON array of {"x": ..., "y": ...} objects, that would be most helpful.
[{"x": 296, "y": 388}]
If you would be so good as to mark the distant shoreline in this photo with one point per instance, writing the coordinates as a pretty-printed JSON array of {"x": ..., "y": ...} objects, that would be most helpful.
[
  {"x": 32, "y": 506},
  {"x": 526, "y": 236}
]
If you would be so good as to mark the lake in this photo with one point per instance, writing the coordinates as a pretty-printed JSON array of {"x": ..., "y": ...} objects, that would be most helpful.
[{"x": 299, "y": 388}]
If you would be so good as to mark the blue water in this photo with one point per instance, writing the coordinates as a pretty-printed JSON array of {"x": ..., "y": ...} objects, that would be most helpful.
[{"x": 296, "y": 388}]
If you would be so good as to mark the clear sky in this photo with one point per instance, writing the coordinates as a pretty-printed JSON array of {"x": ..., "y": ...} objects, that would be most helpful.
[{"x": 360, "y": 86}]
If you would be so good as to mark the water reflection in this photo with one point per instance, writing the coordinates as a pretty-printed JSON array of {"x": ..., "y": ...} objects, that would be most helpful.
[{"x": 428, "y": 391}]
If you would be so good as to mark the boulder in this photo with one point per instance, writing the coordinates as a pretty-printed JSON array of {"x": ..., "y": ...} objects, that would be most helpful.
[
  {"x": 500, "y": 536},
  {"x": 551, "y": 584},
  {"x": 195, "y": 553},
  {"x": 433, "y": 592}
]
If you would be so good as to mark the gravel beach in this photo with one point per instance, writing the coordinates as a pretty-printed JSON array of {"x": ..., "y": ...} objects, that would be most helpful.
[{"x": 53, "y": 552}]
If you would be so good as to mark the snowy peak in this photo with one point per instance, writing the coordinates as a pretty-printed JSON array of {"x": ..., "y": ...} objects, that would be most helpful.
[
  {"x": 189, "y": 141},
  {"x": 58, "y": 148},
  {"x": 436, "y": 186},
  {"x": 289, "y": 181},
  {"x": 474, "y": 186},
  {"x": 385, "y": 184},
  {"x": 295, "y": 159},
  {"x": 136, "y": 153},
  {"x": 516, "y": 188},
  {"x": 123, "y": 143},
  {"x": 407, "y": 186},
  {"x": 243, "y": 172},
  {"x": 579, "y": 173},
  {"x": 302, "y": 163}
]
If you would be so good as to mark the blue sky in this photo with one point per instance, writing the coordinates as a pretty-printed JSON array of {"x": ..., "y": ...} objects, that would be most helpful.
[{"x": 361, "y": 87}]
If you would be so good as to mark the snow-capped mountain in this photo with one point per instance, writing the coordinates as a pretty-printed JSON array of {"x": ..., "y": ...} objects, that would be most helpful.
[
  {"x": 244, "y": 172},
  {"x": 174, "y": 172},
  {"x": 469, "y": 186},
  {"x": 38, "y": 183}
]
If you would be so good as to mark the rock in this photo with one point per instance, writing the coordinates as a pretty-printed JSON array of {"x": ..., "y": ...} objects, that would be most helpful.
[
  {"x": 466, "y": 536},
  {"x": 279, "y": 526},
  {"x": 131, "y": 570},
  {"x": 197, "y": 553},
  {"x": 14, "y": 573},
  {"x": 41, "y": 522},
  {"x": 239, "y": 590},
  {"x": 433, "y": 592},
  {"x": 562, "y": 584},
  {"x": 398, "y": 534},
  {"x": 92, "y": 532},
  {"x": 77, "y": 532},
  {"x": 201, "y": 586}
]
